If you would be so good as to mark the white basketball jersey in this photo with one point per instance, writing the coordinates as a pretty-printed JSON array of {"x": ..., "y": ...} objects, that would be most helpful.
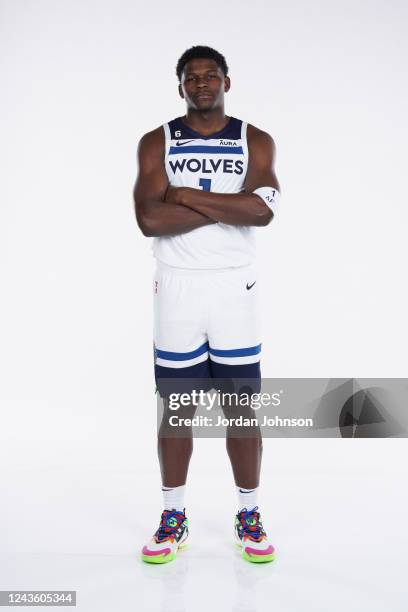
[{"x": 218, "y": 163}]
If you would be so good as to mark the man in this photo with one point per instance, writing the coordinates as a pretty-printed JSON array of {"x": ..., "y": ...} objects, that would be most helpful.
[{"x": 205, "y": 181}]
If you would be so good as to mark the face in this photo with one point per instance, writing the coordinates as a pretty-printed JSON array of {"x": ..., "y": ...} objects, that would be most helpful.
[{"x": 203, "y": 84}]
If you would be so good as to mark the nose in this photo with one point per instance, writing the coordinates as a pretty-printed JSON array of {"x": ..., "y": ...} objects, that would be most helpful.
[{"x": 202, "y": 82}]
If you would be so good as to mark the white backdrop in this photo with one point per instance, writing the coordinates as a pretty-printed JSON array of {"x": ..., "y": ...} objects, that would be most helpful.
[{"x": 81, "y": 82}]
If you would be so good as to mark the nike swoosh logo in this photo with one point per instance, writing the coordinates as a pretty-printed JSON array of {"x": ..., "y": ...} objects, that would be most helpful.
[
  {"x": 180, "y": 144},
  {"x": 250, "y": 286}
]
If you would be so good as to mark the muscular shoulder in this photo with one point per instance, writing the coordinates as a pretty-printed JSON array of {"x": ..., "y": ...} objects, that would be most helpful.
[
  {"x": 261, "y": 145},
  {"x": 259, "y": 138},
  {"x": 152, "y": 143}
]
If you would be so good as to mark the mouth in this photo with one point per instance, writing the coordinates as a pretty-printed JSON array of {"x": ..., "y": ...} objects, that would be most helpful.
[{"x": 204, "y": 96}]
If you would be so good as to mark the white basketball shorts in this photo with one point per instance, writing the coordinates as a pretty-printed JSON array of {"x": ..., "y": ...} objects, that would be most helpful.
[{"x": 206, "y": 324}]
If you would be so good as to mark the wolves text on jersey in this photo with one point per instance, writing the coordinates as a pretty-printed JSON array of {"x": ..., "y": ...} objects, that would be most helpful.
[{"x": 209, "y": 166}]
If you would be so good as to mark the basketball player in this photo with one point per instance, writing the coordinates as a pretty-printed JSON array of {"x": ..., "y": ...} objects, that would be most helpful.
[{"x": 205, "y": 181}]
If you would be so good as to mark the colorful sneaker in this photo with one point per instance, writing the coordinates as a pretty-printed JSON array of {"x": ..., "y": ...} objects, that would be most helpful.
[
  {"x": 170, "y": 536},
  {"x": 251, "y": 537}
]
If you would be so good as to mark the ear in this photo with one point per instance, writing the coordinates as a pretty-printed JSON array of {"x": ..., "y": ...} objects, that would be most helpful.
[
  {"x": 180, "y": 91},
  {"x": 227, "y": 83}
]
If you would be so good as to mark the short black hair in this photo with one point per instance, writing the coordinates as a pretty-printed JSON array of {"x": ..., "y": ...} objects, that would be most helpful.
[{"x": 200, "y": 51}]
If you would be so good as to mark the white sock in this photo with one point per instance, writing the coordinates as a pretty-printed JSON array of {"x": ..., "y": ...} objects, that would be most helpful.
[
  {"x": 173, "y": 498},
  {"x": 247, "y": 498}
]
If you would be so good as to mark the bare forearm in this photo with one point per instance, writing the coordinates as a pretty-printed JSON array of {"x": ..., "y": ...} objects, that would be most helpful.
[
  {"x": 230, "y": 208},
  {"x": 166, "y": 218}
]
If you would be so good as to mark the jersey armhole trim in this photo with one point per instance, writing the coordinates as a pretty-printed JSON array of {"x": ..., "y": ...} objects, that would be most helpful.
[
  {"x": 244, "y": 127},
  {"x": 167, "y": 138}
]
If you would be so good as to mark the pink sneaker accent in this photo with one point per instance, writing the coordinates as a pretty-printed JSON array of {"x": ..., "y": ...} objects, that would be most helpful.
[
  {"x": 152, "y": 553},
  {"x": 255, "y": 551}
]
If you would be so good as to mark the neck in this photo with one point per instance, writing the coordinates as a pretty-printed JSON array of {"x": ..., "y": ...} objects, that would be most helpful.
[{"x": 206, "y": 122}]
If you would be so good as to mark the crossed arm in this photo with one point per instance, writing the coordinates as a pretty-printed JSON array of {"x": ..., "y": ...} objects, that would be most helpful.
[{"x": 162, "y": 209}]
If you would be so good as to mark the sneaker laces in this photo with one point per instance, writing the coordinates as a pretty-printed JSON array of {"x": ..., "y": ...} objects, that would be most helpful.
[
  {"x": 169, "y": 524},
  {"x": 251, "y": 523}
]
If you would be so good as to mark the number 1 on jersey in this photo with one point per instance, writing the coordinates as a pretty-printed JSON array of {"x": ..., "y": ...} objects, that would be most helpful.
[{"x": 205, "y": 184}]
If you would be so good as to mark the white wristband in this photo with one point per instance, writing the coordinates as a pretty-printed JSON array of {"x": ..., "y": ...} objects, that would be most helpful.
[{"x": 270, "y": 196}]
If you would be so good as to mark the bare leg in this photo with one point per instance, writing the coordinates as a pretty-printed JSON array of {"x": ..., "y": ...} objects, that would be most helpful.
[
  {"x": 175, "y": 452},
  {"x": 174, "y": 456},
  {"x": 244, "y": 449},
  {"x": 246, "y": 456}
]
